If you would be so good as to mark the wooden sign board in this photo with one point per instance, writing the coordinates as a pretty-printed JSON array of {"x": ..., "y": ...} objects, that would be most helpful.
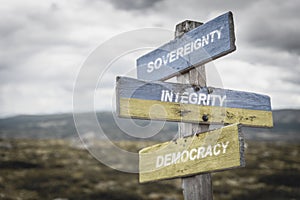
[
  {"x": 198, "y": 46},
  {"x": 215, "y": 150},
  {"x": 186, "y": 103}
]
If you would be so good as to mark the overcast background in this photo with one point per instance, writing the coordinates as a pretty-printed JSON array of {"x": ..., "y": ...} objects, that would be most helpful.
[{"x": 45, "y": 43}]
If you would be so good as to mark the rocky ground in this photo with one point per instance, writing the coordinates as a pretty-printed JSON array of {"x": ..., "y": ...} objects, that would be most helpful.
[{"x": 54, "y": 169}]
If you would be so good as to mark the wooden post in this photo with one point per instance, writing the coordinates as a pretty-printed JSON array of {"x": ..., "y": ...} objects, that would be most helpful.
[{"x": 197, "y": 187}]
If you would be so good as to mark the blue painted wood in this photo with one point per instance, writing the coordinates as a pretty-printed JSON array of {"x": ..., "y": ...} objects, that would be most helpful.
[
  {"x": 201, "y": 45},
  {"x": 133, "y": 88}
]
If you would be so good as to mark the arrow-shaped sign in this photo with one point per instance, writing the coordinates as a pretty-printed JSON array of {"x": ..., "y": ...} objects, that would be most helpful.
[
  {"x": 206, "y": 152},
  {"x": 186, "y": 103},
  {"x": 198, "y": 46}
]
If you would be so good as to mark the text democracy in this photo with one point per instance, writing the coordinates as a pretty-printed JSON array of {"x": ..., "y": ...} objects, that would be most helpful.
[
  {"x": 184, "y": 50},
  {"x": 192, "y": 98},
  {"x": 193, "y": 154}
]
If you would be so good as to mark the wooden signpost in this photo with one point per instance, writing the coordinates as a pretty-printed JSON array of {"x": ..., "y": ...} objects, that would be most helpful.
[
  {"x": 215, "y": 150},
  {"x": 197, "y": 151},
  {"x": 186, "y": 103},
  {"x": 198, "y": 46}
]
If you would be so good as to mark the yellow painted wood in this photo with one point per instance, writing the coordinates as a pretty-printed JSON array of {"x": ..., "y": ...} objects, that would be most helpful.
[
  {"x": 233, "y": 157},
  {"x": 152, "y": 109}
]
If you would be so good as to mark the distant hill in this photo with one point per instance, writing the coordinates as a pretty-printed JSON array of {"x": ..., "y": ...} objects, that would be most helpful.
[
  {"x": 286, "y": 127},
  {"x": 63, "y": 126}
]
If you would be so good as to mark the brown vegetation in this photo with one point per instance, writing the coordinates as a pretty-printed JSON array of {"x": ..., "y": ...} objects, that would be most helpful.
[{"x": 52, "y": 169}]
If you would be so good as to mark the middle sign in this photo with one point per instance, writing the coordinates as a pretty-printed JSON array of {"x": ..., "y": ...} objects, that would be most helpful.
[{"x": 187, "y": 103}]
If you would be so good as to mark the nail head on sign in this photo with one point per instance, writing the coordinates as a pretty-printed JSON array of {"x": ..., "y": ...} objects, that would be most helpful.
[{"x": 205, "y": 118}]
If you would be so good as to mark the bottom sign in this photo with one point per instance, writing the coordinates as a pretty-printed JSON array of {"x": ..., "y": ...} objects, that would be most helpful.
[{"x": 215, "y": 150}]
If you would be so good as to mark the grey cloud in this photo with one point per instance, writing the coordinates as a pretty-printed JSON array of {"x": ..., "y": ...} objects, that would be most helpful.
[
  {"x": 30, "y": 32},
  {"x": 273, "y": 25},
  {"x": 40, "y": 46},
  {"x": 293, "y": 79},
  {"x": 221, "y": 5},
  {"x": 134, "y": 4},
  {"x": 54, "y": 7},
  {"x": 30, "y": 41},
  {"x": 6, "y": 29},
  {"x": 277, "y": 36},
  {"x": 266, "y": 56},
  {"x": 36, "y": 27}
]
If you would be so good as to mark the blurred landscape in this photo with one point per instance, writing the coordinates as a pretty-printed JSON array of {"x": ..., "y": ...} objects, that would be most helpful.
[
  {"x": 61, "y": 126},
  {"x": 41, "y": 158}
]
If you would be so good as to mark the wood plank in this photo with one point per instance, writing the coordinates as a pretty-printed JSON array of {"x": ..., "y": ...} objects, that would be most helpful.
[
  {"x": 198, "y": 187},
  {"x": 215, "y": 150},
  {"x": 144, "y": 100},
  {"x": 205, "y": 43}
]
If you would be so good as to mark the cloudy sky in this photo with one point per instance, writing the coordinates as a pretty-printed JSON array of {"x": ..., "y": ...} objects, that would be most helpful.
[{"x": 45, "y": 44}]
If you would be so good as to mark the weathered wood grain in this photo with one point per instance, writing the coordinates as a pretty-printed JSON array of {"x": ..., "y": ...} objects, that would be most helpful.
[
  {"x": 142, "y": 100},
  {"x": 198, "y": 46},
  {"x": 197, "y": 187},
  {"x": 183, "y": 157}
]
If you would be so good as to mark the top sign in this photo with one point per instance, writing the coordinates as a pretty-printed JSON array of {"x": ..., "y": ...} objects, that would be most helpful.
[{"x": 198, "y": 46}]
